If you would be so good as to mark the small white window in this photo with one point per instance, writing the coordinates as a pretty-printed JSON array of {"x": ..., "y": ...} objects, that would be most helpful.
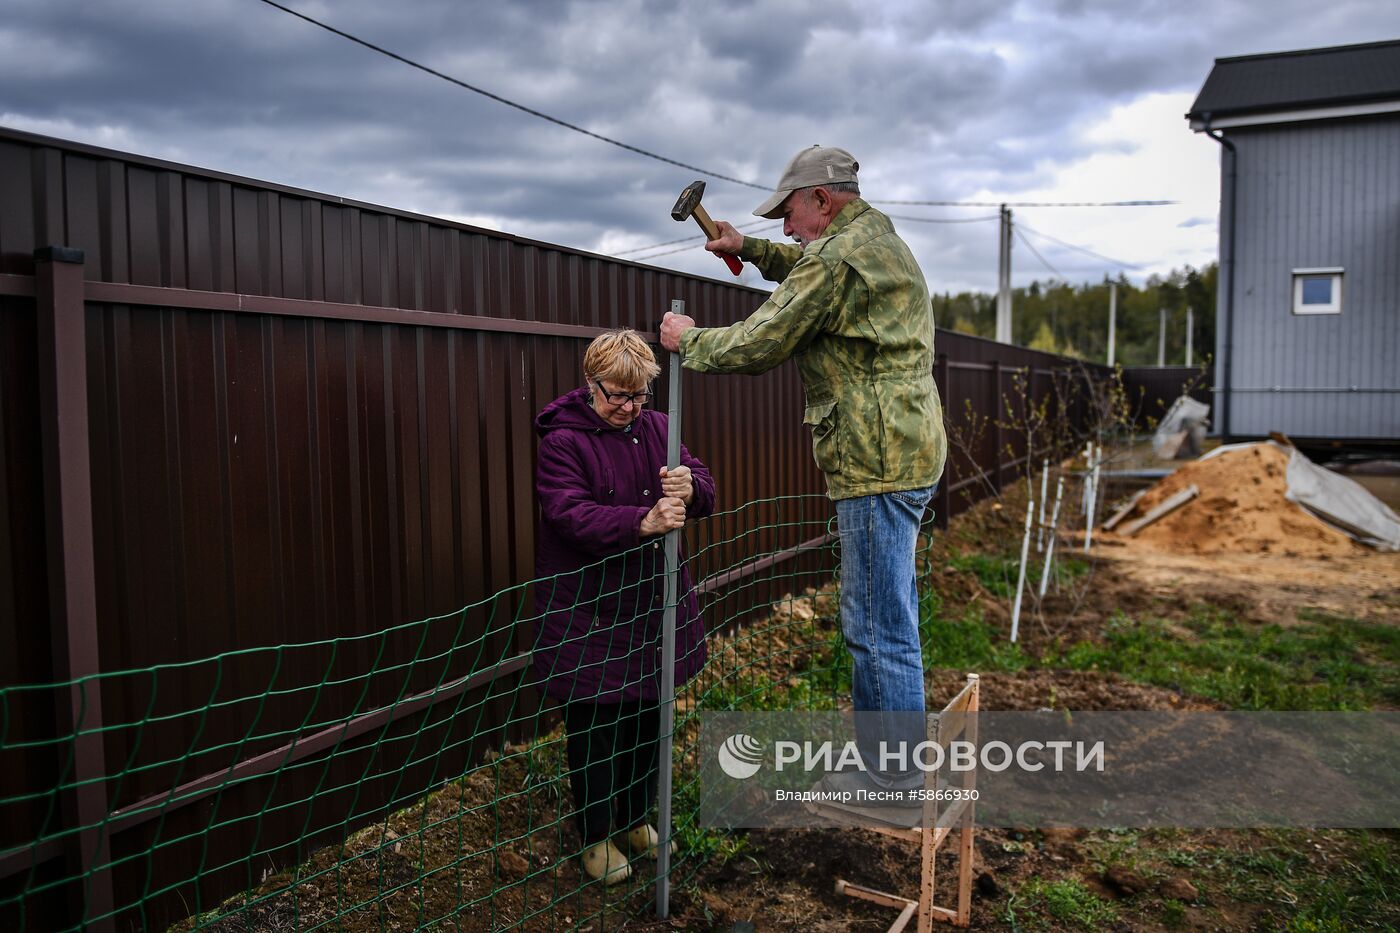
[{"x": 1317, "y": 291}]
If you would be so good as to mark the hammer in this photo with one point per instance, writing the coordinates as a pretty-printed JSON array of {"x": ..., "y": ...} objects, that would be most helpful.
[{"x": 688, "y": 205}]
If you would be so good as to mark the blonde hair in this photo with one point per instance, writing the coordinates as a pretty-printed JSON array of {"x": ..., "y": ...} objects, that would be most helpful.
[{"x": 622, "y": 357}]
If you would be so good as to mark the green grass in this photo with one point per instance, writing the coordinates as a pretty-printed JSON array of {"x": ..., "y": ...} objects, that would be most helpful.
[
  {"x": 998, "y": 572},
  {"x": 813, "y": 689},
  {"x": 830, "y": 675},
  {"x": 967, "y": 643},
  {"x": 1123, "y": 848},
  {"x": 1173, "y": 914},
  {"x": 546, "y": 765},
  {"x": 1324, "y": 662},
  {"x": 700, "y": 843},
  {"x": 1357, "y": 888},
  {"x": 1058, "y": 905},
  {"x": 1300, "y": 880},
  {"x": 1327, "y": 663}
]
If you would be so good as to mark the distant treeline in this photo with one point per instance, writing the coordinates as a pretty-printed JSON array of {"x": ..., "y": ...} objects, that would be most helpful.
[{"x": 1073, "y": 319}]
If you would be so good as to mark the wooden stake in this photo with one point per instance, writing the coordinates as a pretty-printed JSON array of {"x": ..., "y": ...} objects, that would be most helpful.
[
  {"x": 1050, "y": 548},
  {"x": 1171, "y": 505},
  {"x": 1123, "y": 512},
  {"x": 1040, "y": 525},
  {"x": 1093, "y": 496},
  {"x": 1021, "y": 574}
]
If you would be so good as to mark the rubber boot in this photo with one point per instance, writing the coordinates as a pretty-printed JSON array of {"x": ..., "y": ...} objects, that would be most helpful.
[
  {"x": 604, "y": 861},
  {"x": 643, "y": 840}
]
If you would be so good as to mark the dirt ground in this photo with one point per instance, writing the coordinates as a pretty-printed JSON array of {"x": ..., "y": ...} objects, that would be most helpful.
[
  {"x": 1263, "y": 587},
  {"x": 501, "y": 842},
  {"x": 784, "y": 879},
  {"x": 1242, "y": 545}
]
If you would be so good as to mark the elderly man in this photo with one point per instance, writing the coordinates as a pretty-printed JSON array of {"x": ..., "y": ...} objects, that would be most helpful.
[{"x": 854, "y": 311}]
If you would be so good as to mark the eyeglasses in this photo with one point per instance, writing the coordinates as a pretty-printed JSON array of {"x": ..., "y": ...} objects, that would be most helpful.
[{"x": 621, "y": 398}]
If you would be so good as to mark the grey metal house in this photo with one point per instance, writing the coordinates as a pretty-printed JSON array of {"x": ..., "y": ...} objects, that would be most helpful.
[{"x": 1308, "y": 334}]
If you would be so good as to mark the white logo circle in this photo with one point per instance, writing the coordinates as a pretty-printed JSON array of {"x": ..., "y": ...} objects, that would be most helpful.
[{"x": 740, "y": 756}]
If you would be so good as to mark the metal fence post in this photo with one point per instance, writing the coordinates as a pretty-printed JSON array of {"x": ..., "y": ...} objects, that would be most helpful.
[
  {"x": 668, "y": 647},
  {"x": 945, "y": 487},
  {"x": 63, "y": 414},
  {"x": 996, "y": 424},
  {"x": 1026, "y": 412}
]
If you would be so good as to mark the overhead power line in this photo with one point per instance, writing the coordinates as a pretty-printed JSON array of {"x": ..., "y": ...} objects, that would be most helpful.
[
  {"x": 939, "y": 220},
  {"x": 685, "y": 239},
  {"x": 1031, "y": 203},
  {"x": 1083, "y": 249},
  {"x": 637, "y": 150},
  {"x": 1036, "y": 253},
  {"x": 666, "y": 252},
  {"x": 510, "y": 103},
  {"x": 769, "y": 223},
  {"x": 764, "y": 224}
]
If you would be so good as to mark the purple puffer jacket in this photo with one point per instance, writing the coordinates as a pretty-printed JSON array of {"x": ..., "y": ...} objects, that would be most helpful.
[{"x": 600, "y": 598}]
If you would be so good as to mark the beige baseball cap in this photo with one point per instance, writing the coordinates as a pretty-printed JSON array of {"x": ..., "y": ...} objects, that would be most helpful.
[{"x": 815, "y": 165}]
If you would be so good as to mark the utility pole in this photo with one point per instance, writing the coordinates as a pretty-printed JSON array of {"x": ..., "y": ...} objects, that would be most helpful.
[
  {"x": 1161, "y": 336},
  {"x": 1189, "y": 329},
  {"x": 1112, "y": 320},
  {"x": 1003, "y": 332}
]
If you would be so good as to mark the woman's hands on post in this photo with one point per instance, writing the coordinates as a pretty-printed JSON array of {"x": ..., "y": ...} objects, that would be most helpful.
[
  {"x": 676, "y": 484},
  {"x": 729, "y": 240},
  {"x": 667, "y": 514}
]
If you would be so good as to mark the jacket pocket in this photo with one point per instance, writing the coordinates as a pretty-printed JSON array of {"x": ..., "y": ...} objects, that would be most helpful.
[
  {"x": 825, "y": 422},
  {"x": 911, "y": 429},
  {"x": 916, "y": 499},
  {"x": 605, "y": 490},
  {"x": 776, "y": 302}
]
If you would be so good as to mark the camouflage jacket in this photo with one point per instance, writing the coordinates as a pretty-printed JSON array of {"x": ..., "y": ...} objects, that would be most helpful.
[{"x": 854, "y": 311}]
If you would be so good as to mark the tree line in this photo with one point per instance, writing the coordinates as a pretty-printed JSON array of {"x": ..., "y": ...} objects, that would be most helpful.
[{"x": 1073, "y": 319}]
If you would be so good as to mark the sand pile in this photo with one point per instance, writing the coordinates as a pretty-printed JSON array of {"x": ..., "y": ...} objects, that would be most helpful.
[{"x": 1241, "y": 509}]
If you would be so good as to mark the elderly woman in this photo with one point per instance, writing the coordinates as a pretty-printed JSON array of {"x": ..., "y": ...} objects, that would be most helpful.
[{"x": 606, "y": 498}]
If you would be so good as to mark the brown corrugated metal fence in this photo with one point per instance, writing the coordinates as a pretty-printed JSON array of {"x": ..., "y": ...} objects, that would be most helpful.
[
  {"x": 1152, "y": 390},
  {"x": 306, "y": 418}
]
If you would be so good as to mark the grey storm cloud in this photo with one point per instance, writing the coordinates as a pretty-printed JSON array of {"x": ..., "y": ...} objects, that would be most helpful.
[{"x": 938, "y": 99}]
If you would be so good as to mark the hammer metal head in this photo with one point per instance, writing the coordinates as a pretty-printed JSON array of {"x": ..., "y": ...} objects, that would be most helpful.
[{"x": 690, "y": 197}]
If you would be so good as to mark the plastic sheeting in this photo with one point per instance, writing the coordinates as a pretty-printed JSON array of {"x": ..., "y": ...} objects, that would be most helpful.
[
  {"x": 1182, "y": 431},
  {"x": 1342, "y": 503}
]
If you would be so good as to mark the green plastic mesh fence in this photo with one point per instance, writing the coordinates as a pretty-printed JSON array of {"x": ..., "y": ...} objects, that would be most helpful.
[{"x": 441, "y": 774}]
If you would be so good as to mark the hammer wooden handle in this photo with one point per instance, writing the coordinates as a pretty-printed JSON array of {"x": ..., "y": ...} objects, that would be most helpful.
[{"x": 702, "y": 217}]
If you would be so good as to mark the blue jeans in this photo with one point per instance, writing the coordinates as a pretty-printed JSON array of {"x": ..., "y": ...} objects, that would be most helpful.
[{"x": 880, "y": 599}]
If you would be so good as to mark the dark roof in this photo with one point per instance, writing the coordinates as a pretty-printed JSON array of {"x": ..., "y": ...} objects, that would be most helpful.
[{"x": 1345, "y": 74}]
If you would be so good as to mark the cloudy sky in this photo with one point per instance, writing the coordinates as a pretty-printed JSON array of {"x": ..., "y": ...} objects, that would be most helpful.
[{"x": 942, "y": 100}]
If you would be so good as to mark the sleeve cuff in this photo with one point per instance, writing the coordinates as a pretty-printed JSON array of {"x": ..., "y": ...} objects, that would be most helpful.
[
  {"x": 687, "y": 341},
  {"x": 631, "y": 531},
  {"x": 753, "y": 249}
]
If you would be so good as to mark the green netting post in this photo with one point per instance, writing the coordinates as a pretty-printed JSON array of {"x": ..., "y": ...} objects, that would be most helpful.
[{"x": 668, "y": 648}]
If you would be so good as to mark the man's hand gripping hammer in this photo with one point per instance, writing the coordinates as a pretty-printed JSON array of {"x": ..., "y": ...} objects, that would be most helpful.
[{"x": 688, "y": 205}]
